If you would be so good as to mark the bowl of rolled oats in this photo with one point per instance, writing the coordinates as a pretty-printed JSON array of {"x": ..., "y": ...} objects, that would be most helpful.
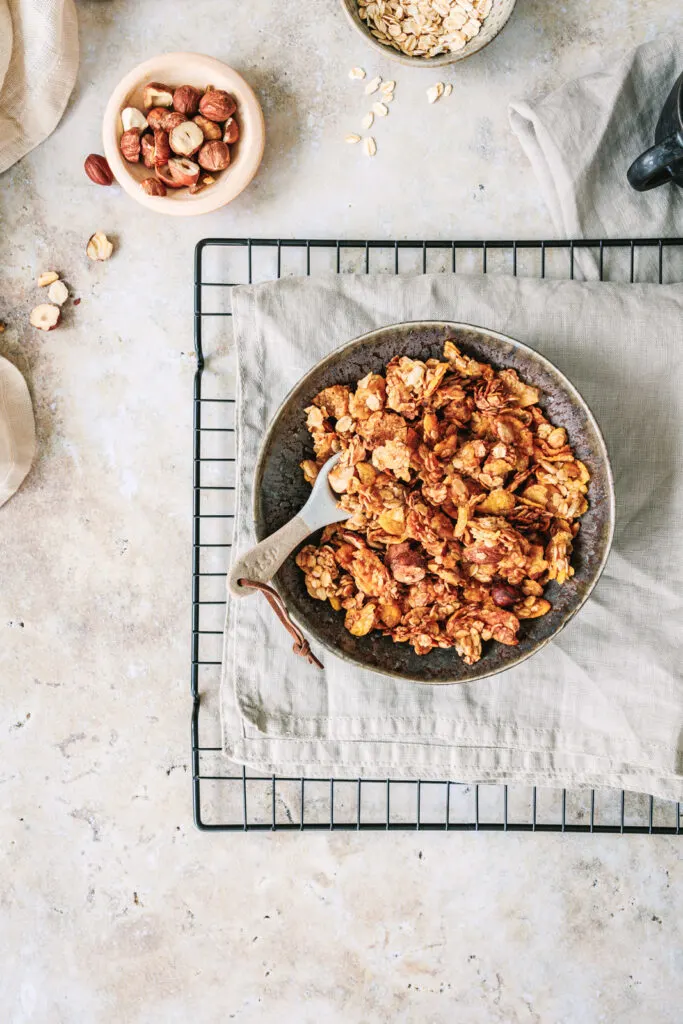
[
  {"x": 428, "y": 32},
  {"x": 480, "y": 496}
]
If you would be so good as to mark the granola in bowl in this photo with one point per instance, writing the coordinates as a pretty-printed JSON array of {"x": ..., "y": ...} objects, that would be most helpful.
[{"x": 465, "y": 501}]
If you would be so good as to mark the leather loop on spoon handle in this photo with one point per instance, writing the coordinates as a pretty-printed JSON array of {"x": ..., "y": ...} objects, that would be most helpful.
[{"x": 263, "y": 561}]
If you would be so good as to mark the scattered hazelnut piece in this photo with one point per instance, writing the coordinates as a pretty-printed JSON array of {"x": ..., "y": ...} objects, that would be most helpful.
[
  {"x": 183, "y": 171},
  {"x": 186, "y": 100},
  {"x": 194, "y": 189},
  {"x": 49, "y": 277},
  {"x": 208, "y": 179},
  {"x": 156, "y": 94},
  {"x": 77, "y": 302},
  {"x": 186, "y": 139},
  {"x": 231, "y": 131},
  {"x": 214, "y": 156},
  {"x": 99, "y": 247},
  {"x": 130, "y": 145},
  {"x": 153, "y": 187},
  {"x": 98, "y": 170},
  {"x": 131, "y": 117},
  {"x": 58, "y": 293},
  {"x": 45, "y": 317},
  {"x": 2, "y": 327},
  {"x": 212, "y": 131},
  {"x": 217, "y": 105},
  {"x": 155, "y": 149}
]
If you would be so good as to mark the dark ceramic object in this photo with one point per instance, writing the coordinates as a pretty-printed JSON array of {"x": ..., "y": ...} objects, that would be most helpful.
[
  {"x": 280, "y": 491},
  {"x": 663, "y": 162}
]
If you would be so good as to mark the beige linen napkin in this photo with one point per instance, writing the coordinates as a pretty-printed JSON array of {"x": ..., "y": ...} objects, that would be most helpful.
[
  {"x": 582, "y": 138},
  {"x": 17, "y": 430},
  {"x": 38, "y": 65},
  {"x": 600, "y": 706}
]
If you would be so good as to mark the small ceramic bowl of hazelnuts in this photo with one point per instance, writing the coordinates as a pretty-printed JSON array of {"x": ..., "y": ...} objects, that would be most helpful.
[{"x": 183, "y": 134}]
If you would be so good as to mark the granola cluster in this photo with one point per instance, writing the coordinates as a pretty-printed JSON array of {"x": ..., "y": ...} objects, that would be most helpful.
[{"x": 464, "y": 503}]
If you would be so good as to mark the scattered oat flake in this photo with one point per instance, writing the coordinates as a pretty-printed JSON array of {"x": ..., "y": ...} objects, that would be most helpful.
[
  {"x": 380, "y": 109},
  {"x": 357, "y": 73},
  {"x": 387, "y": 86},
  {"x": 435, "y": 92},
  {"x": 351, "y": 138},
  {"x": 448, "y": 90},
  {"x": 373, "y": 85},
  {"x": 370, "y": 145},
  {"x": 367, "y": 120}
]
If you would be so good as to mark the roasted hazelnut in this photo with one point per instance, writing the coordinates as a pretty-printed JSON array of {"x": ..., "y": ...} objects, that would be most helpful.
[
  {"x": 130, "y": 145},
  {"x": 231, "y": 131},
  {"x": 505, "y": 595},
  {"x": 155, "y": 117},
  {"x": 131, "y": 117},
  {"x": 212, "y": 131},
  {"x": 156, "y": 94},
  {"x": 155, "y": 149},
  {"x": 186, "y": 138},
  {"x": 179, "y": 172},
  {"x": 45, "y": 317},
  {"x": 153, "y": 187},
  {"x": 98, "y": 170},
  {"x": 172, "y": 119},
  {"x": 405, "y": 564},
  {"x": 217, "y": 105},
  {"x": 186, "y": 100},
  {"x": 214, "y": 156},
  {"x": 99, "y": 248}
]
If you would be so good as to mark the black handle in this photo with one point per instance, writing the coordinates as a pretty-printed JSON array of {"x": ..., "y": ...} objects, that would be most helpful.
[{"x": 656, "y": 165}]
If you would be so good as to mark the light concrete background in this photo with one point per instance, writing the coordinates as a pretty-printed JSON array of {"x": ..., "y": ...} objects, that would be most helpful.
[{"x": 112, "y": 907}]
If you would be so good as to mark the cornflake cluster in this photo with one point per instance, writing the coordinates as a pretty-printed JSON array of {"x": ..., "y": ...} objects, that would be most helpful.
[
  {"x": 464, "y": 503},
  {"x": 424, "y": 28}
]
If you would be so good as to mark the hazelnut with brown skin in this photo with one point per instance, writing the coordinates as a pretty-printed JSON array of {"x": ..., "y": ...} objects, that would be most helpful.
[
  {"x": 98, "y": 170},
  {"x": 186, "y": 100},
  {"x": 217, "y": 105},
  {"x": 212, "y": 131},
  {"x": 179, "y": 172},
  {"x": 505, "y": 595},
  {"x": 153, "y": 187},
  {"x": 155, "y": 149},
  {"x": 155, "y": 117},
  {"x": 214, "y": 156},
  {"x": 231, "y": 131},
  {"x": 405, "y": 564},
  {"x": 130, "y": 145}
]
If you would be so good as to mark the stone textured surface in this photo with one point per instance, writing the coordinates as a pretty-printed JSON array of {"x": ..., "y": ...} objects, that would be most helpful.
[{"x": 112, "y": 908}]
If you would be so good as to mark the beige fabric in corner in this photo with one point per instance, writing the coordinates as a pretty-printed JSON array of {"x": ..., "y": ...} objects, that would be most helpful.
[
  {"x": 38, "y": 66},
  {"x": 17, "y": 430},
  {"x": 602, "y": 705}
]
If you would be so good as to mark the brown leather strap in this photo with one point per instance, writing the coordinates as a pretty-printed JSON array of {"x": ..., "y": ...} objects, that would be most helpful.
[{"x": 301, "y": 645}]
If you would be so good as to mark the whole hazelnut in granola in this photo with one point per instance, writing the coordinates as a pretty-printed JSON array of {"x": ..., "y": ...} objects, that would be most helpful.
[{"x": 464, "y": 502}]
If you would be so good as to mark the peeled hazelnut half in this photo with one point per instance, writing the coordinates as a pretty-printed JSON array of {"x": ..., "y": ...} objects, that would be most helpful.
[
  {"x": 99, "y": 247},
  {"x": 58, "y": 293},
  {"x": 130, "y": 145},
  {"x": 153, "y": 187},
  {"x": 131, "y": 117},
  {"x": 49, "y": 277},
  {"x": 186, "y": 139},
  {"x": 186, "y": 100},
  {"x": 45, "y": 317},
  {"x": 217, "y": 105},
  {"x": 183, "y": 171},
  {"x": 231, "y": 131},
  {"x": 156, "y": 94},
  {"x": 214, "y": 156},
  {"x": 212, "y": 131}
]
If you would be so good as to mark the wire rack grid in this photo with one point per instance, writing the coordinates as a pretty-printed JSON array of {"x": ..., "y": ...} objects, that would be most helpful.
[{"x": 230, "y": 798}]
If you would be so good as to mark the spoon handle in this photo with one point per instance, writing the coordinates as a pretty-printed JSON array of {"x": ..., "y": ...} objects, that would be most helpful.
[{"x": 263, "y": 561}]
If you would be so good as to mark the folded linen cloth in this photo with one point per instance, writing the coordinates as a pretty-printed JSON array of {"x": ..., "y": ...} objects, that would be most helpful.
[
  {"x": 38, "y": 65},
  {"x": 582, "y": 138},
  {"x": 600, "y": 706}
]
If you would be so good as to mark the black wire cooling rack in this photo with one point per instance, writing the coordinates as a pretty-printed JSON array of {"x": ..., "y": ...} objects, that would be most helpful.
[{"x": 229, "y": 798}]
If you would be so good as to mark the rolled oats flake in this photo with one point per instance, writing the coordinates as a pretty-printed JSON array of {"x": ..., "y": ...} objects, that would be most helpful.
[{"x": 425, "y": 27}]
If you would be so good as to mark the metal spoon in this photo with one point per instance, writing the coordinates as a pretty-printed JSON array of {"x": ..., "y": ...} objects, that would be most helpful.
[{"x": 263, "y": 561}]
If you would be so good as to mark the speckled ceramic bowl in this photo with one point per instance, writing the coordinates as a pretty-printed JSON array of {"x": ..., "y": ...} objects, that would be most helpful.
[
  {"x": 280, "y": 491},
  {"x": 494, "y": 23}
]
